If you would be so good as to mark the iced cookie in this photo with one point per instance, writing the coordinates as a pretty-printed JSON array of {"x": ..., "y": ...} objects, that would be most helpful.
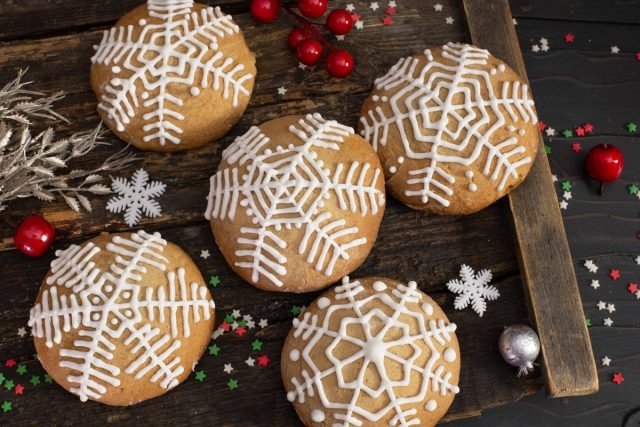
[
  {"x": 455, "y": 129},
  {"x": 172, "y": 75},
  {"x": 296, "y": 203},
  {"x": 371, "y": 352},
  {"x": 121, "y": 318}
]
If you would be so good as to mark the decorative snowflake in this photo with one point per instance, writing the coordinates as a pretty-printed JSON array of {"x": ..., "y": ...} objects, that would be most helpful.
[
  {"x": 422, "y": 103},
  {"x": 394, "y": 329},
  {"x": 136, "y": 197},
  {"x": 473, "y": 289},
  {"x": 287, "y": 188},
  {"x": 178, "y": 47},
  {"x": 114, "y": 309}
]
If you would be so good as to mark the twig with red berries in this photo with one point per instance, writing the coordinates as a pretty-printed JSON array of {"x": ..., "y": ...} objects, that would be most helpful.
[{"x": 306, "y": 38}]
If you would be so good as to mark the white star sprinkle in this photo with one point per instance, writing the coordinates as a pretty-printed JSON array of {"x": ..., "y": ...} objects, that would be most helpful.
[
  {"x": 250, "y": 361},
  {"x": 263, "y": 323},
  {"x": 564, "y": 205},
  {"x": 550, "y": 131},
  {"x": 595, "y": 284},
  {"x": 544, "y": 47},
  {"x": 204, "y": 254},
  {"x": 605, "y": 361},
  {"x": 591, "y": 266},
  {"x": 359, "y": 25},
  {"x": 236, "y": 313},
  {"x": 638, "y": 257},
  {"x": 567, "y": 195},
  {"x": 611, "y": 308},
  {"x": 217, "y": 333},
  {"x": 247, "y": 318},
  {"x": 615, "y": 49},
  {"x": 515, "y": 21},
  {"x": 350, "y": 7},
  {"x": 535, "y": 48},
  {"x": 638, "y": 295},
  {"x": 437, "y": 7},
  {"x": 544, "y": 41},
  {"x": 607, "y": 322},
  {"x": 302, "y": 66},
  {"x": 554, "y": 177},
  {"x": 449, "y": 20},
  {"x": 340, "y": 38},
  {"x": 251, "y": 324},
  {"x": 282, "y": 91},
  {"x": 235, "y": 325},
  {"x": 374, "y": 6},
  {"x": 602, "y": 305},
  {"x": 228, "y": 368},
  {"x": 22, "y": 332},
  {"x": 392, "y": 3}
]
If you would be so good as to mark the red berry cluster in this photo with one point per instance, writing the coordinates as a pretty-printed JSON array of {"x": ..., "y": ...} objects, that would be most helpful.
[{"x": 306, "y": 40}]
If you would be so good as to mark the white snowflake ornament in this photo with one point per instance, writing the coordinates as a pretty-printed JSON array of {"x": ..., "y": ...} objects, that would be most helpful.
[
  {"x": 136, "y": 197},
  {"x": 119, "y": 310},
  {"x": 473, "y": 289}
]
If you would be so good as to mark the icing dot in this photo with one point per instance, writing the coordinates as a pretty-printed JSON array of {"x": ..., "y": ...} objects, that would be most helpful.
[
  {"x": 493, "y": 71},
  {"x": 427, "y": 308},
  {"x": 213, "y": 46},
  {"x": 249, "y": 212},
  {"x": 511, "y": 128},
  {"x": 254, "y": 220},
  {"x": 412, "y": 284},
  {"x": 278, "y": 227},
  {"x": 521, "y": 132},
  {"x": 291, "y": 396},
  {"x": 473, "y": 188},
  {"x": 393, "y": 169},
  {"x": 195, "y": 91},
  {"x": 294, "y": 355},
  {"x": 375, "y": 98},
  {"x": 379, "y": 286},
  {"x": 323, "y": 303},
  {"x": 468, "y": 174},
  {"x": 116, "y": 82},
  {"x": 128, "y": 313},
  {"x": 145, "y": 95},
  {"x": 385, "y": 98},
  {"x": 290, "y": 147},
  {"x": 95, "y": 316},
  {"x": 450, "y": 355},
  {"x": 96, "y": 300},
  {"x": 108, "y": 288},
  {"x": 245, "y": 202},
  {"x": 116, "y": 69},
  {"x": 317, "y": 416},
  {"x": 431, "y": 405},
  {"x": 114, "y": 321},
  {"x": 126, "y": 295},
  {"x": 501, "y": 67},
  {"x": 401, "y": 160},
  {"x": 362, "y": 133},
  {"x": 268, "y": 151},
  {"x": 142, "y": 22},
  {"x": 298, "y": 225}
]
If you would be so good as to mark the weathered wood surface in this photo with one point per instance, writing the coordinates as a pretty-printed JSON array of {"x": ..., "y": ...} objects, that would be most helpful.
[{"x": 544, "y": 256}]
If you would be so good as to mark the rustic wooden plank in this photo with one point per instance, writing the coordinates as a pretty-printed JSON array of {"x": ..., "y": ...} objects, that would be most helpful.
[
  {"x": 545, "y": 259},
  {"x": 627, "y": 11}
]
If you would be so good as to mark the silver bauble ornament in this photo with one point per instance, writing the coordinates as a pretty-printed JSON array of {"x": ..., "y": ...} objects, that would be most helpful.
[{"x": 519, "y": 346}]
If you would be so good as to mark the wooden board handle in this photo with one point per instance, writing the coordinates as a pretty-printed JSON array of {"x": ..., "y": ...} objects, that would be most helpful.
[{"x": 555, "y": 306}]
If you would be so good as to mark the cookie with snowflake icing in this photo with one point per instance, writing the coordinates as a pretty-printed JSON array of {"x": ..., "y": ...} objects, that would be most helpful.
[
  {"x": 172, "y": 75},
  {"x": 121, "y": 318},
  {"x": 455, "y": 129},
  {"x": 296, "y": 203},
  {"x": 371, "y": 352}
]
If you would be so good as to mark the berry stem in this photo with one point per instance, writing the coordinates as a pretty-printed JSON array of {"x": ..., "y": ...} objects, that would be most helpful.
[{"x": 306, "y": 24}]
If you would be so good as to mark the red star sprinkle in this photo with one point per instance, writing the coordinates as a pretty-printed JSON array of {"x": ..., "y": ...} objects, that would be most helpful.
[
  {"x": 10, "y": 363},
  {"x": 263, "y": 360},
  {"x": 588, "y": 127},
  {"x": 355, "y": 17},
  {"x": 569, "y": 37},
  {"x": 614, "y": 274},
  {"x": 580, "y": 131},
  {"x": 633, "y": 288},
  {"x": 19, "y": 389},
  {"x": 542, "y": 125},
  {"x": 387, "y": 20},
  {"x": 225, "y": 326},
  {"x": 637, "y": 56},
  {"x": 618, "y": 378},
  {"x": 576, "y": 148},
  {"x": 390, "y": 11},
  {"x": 241, "y": 331}
]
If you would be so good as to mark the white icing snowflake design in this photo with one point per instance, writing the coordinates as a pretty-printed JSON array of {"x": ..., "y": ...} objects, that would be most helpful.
[
  {"x": 287, "y": 188},
  {"x": 136, "y": 197},
  {"x": 384, "y": 334},
  {"x": 435, "y": 129},
  {"x": 172, "y": 51},
  {"x": 109, "y": 308},
  {"x": 473, "y": 289}
]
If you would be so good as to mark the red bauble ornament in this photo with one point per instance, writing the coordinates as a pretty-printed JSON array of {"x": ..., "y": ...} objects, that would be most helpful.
[
  {"x": 296, "y": 36},
  {"x": 34, "y": 236},
  {"x": 339, "y": 22},
  {"x": 264, "y": 10},
  {"x": 339, "y": 63},
  {"x": 605, "y": 163},
  {"x": 309, "y": 51},
  {"x": 313, "y": 8}
]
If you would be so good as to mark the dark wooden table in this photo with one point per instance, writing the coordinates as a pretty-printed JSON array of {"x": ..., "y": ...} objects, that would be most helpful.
[{"x": 573, "y": 84}]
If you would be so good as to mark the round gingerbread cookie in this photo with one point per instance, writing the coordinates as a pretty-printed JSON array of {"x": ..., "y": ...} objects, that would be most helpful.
[
  {"x": 172, "y": 75},
  {"x": 121, "y": 318},
  {"x": 296, "y": 203},
  {"x": 371, "y": 352},
  {"x": 455, "y": 129}
]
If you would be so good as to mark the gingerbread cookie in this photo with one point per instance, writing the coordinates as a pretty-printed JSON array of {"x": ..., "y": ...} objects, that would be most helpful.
[
  {"x": 172, "y": 75},
  {"x": 371, "y": 352},
  {"x": 296, "y": 203},
  {"x": 122, "y": 318},
  {"x": 455, "y": 129}
]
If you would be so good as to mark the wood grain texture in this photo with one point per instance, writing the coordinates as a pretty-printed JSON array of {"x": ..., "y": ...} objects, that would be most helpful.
[
  {"x": 613, "y": 11},
  {"x": 544, "y": 255}
]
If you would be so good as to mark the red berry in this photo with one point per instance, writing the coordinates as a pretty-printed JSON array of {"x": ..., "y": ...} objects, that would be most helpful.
[
  {"x": 313, "y": 8},
  {"x": 296, "y": 36},
  {"x": 339, "y": 63},
  {"x": 34, "y": 236},
  {"x": 309, "y": 51},
  {"x": 264, "y": 10},
  {"x": 605, "y": 163},
  {"x": 339, "y": 22}
]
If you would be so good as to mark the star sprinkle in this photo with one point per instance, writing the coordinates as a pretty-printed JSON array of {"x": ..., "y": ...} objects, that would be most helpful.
[
  {"x": 601, "y": 305},
  {"x": 607, "y": 322},
  {"x": 567, "y": 133},
  {"x": 564, "y": 205},
  {"x": 618, "y": 378},
  {"x": 204, "y": 254},
  {"x": 228, "y": 368},
  {"x": 22, "y": 332},
  {"x": 614, "y": 274},
  {"x": 256, "y": 345},
  {"x": 263, "y": 360},
  {"x": 200, "y": 375},
  {"x": 567, "y": 186},
  {"x": 232, "y": 384},
  {"x": 615, "y": 49},
  {"x": 535, "y": 48},
  {"x": 547, "y": 149},
  {"x": 392, "y": 4},
  {"x": 263, "y": 323},
  {"x": 588, "y": 127},
  {"x": 9, "y": 384},
  {"x": 217, "y": 333},
  {"x": 304, "y": 66},
  {"x": 542, "y": 125},
  {"x": 225, "y": 326},
  {"x": 632, "y": 127},
  {"x": 550, "y": 131},
  {"x": 515, "y": 21},
  {"x": 437, "y": 7},
  {"x": 595, "y": 284},
  {"x": 296, "y": 310},
  {"x": 591, "y": 266},
  {"x": 6, "y": 406},
  {"x": 611, "y": 308},
  {"x": 588, "y": 322},
  {"x": 359, "y": 25},
  {"x": 554, "y": 177},
  {"x": 2, "y": 378},
  {"x": 390, "y": 10},
  {"x": 250, "y": 362},
  {"x": 19, "y": 389},
  {"x": 374, "y": 6},
  {"x": 449, "y": 20},
  {"x": 340, "y": 37},
  {"x": 48, "y": 379},
  {"x": 350, "y": 7},
  {"x": 21, "y": 369},
  {"x": 569, "y": 38},
  {"x": 387, "y": 21},
  {"x": 567, "y": 195},
  {"x": 10, "y": 363},
  {"x": 580, "y": 131},
  {"x": 214, "y": 281},
  {"x": 633, "y": 189},
  {"x": 214, "y": 350},
  {"x": 241, "y": 331},
  {"x": 638, "y": 56},
  {"x": 605, "y": 361},
  {"x": 633, "y": 288},
  {"x": 282, "y": 91}
]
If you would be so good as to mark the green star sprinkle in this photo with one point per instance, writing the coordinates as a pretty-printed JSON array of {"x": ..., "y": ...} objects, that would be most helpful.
[
  {"x": 2, "y": 378},
  {"x": 214, "y": 350},
  {"x": 547, "y": 149},
  {"x": 232, "y": 384},
  {"x": 35, "y": 380},
  {"x": 567, "y": 133},
  {"x": 242, "y": 322},
  {"x": 633, "y": 189},
  {"x": 588, "y": 323},
  {"x": 214, "y": 281},
  {"x": 567, "y": 186},
  {"x": 9, "y": 384},
  {"x": 6, "y": 406},
  {"x": 21, "y": 369},
  {"x": 296, "y": 310},
  {"x": 632, "y": 127},
  {"x": 48, "y": 379},
  {"x": 200, "y": 375},
  {"x": 256, "y": 345},
  {"x": 229, "y": 319}
]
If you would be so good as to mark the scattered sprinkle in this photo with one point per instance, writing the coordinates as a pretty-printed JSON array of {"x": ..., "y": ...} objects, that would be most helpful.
[
  {"x": 449, "y": 20},
  {"x": 350, "y": 7},
  {"x": 633, "y": 288},
  {"x": 264, "y": 322},
  {"x": 632, "y": 127},
  {"x": 607, "y": 322},
  {"x": 591, "y": 266},
  {"x": 228, "y": 368},
  {"x": 9, "y": 384},
  {"x": 200, "y": 375},
  {"x": 10, "y": 363},
  {"x": 437, "y": 7},
  {"x": 214, "y": 350},
  {"x": 387, "y": 20},
  {"x": 263, "y": 360},
  {"x": 48, "y": 379},
  {"x": 580, "y": 131},
  {"x": 569, "y": 38},
  {"x": 588, "y": 321},
  {"x": 374, "y": 6},
  {"x": 35, "y": 380},
  {"x": 256, "y": 345},
  {"x": 6, "y": 406},
  {"x": 614, "y": 274},
  {"x": 601, "y": 305},
  {"x": 633, "y": 189},
  {"x": 282, "y": 91},
  {"x": 250, "y": 362},
  {"x": 21, "y": 369},
  {"x": 576, "y": 147},
  {"x": 567, "y": 186},
  {"x": 204, "y": 254},
  {"x": 564, "y": 205},
  {"x": 547, "y": 149},
  {"x": 19, "y": 389},
  {"x": 296, "y": 310},
  {"x": 611, "y": 308},
  {"x": 588, "y": 127},
  {"x": 22, "y": 332},
  {"x": 567, "y": 195},
  {"x": 618, "y": 378},
  {"x": 214, "y": 281},
  {"x": 359, "y": 25},
  {"x": 232, "y": 384},
  {"x": 605, "y": 361},
  {"x": 241, "y": 330},
  {"x": 550, "y": 131},
  {"x": 615, "y": 49},
  {"x": 567, "y": 133}
]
